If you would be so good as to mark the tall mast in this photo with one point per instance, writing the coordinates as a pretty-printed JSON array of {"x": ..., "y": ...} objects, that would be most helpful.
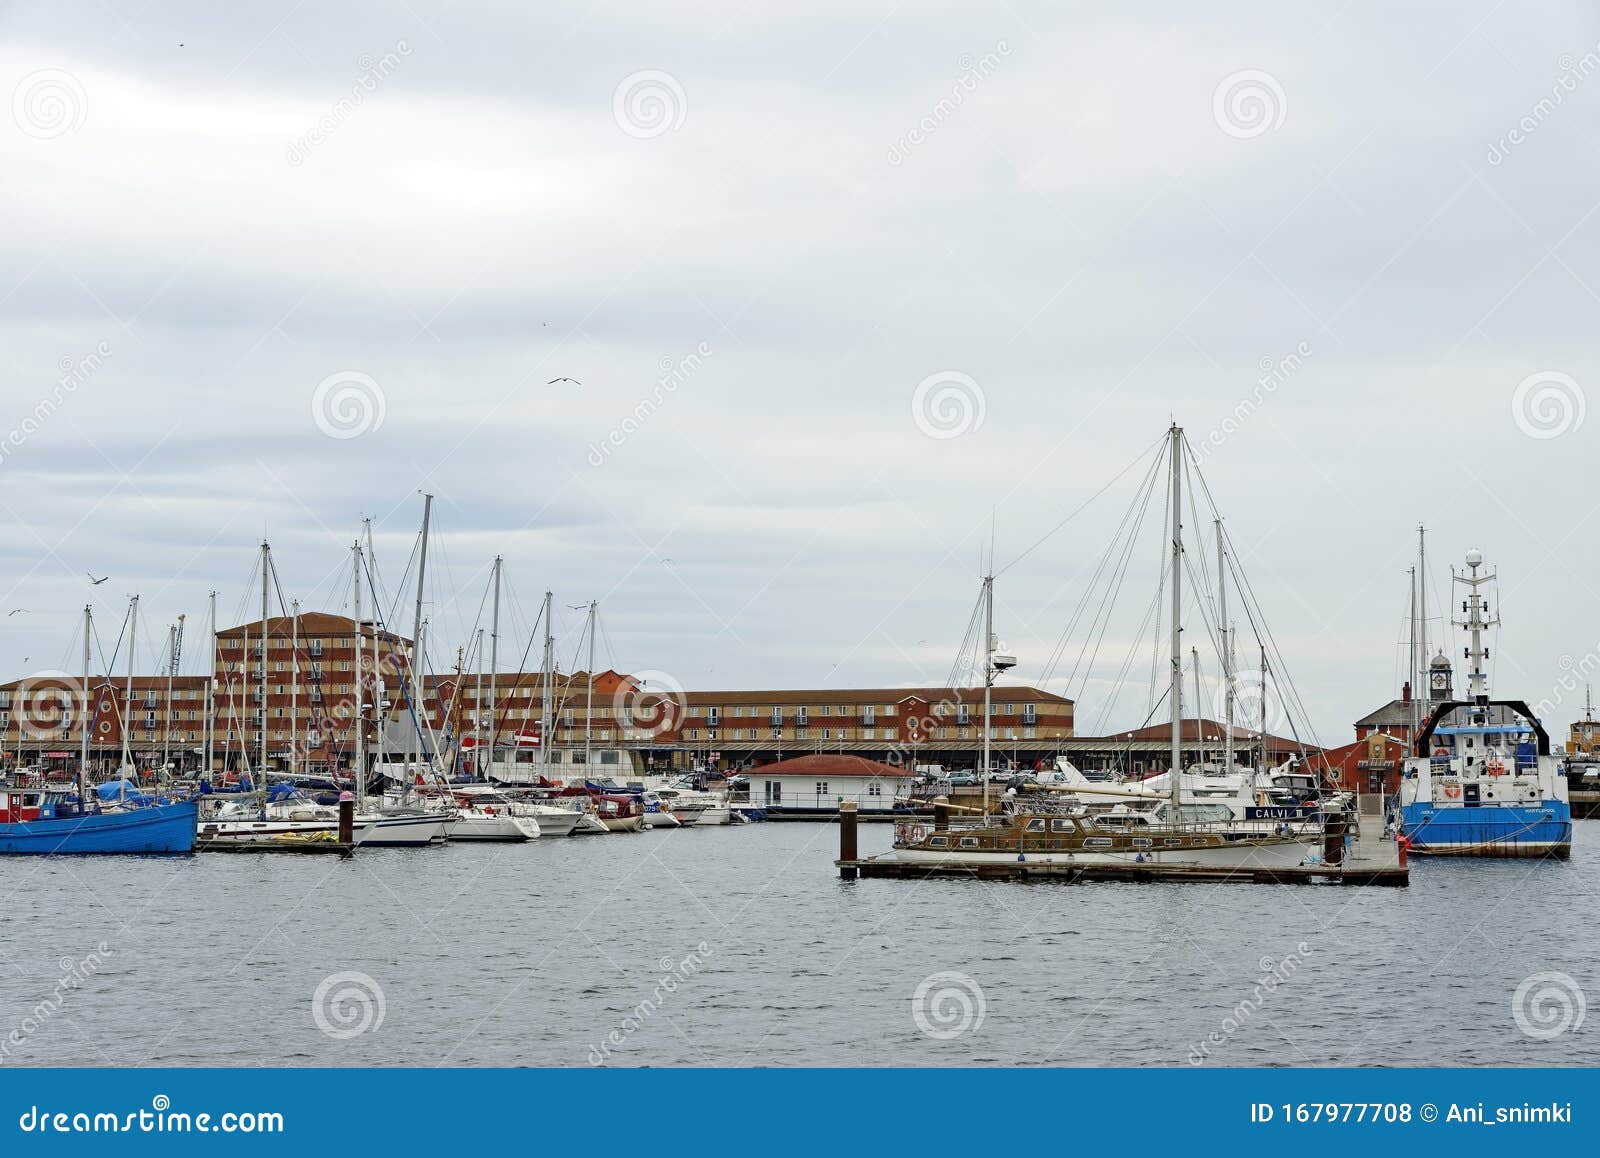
[
  {"x": 211, "y": 687},
  {"x": 1176, "y": 690},
  {"x": 166, "y": 734},
  {"x": 545, "y": 692},
  {"x": 266, "y": 567},
  {"x": 477, "y": 707},
  {"x": 418, "y": 660},
  {"x": 83, "y": 742},
  {"x": 1477, "y": 620},
  {"x": 360, "y": 769},
  {"x": 1412, "y": 706},
  {"x": 1266, "y": 680},
  {"x": 294, "y": 686},
  {"x": 588, "y": 708},
  {"x": 494, "y": 667},
  {"x": 988, "y": 683},
  {"x": 1227, "y": 652},
  {"x": 1422, "y": 619},
  {"x": 1199, "y": 720},
  {"x": 127, "y": 714}
]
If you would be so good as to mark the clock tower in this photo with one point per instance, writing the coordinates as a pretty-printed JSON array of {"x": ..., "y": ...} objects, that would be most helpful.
[{"x": 1441, "y": 679}]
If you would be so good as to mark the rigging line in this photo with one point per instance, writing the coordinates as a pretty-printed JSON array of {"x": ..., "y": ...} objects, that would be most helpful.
[
  {"x": 1114, "y": 480},
  {"x": 1131, "y": 655},
  {"x": 1254, "y": 611},
  {"x": 1165, "y": 545},
  {"x": 1113, "y": 588},
  {"x": 967, "y": 640},
  {"x": 1139, "y": 504}
]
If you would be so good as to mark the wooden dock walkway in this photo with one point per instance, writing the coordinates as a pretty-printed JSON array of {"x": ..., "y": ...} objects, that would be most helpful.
[{"x": 1371, "y": 859}]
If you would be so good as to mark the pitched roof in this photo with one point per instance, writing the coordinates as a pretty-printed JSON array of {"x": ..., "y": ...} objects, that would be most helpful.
[
  {"x": 831, "y": 764},
  {"x": 1393, "y": 712},
  {"x": 1203, "y": 731},
  {"x": 1002, "y": 695}
]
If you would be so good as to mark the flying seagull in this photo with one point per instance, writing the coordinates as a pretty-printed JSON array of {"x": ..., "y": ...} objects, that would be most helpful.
[
  {"x": 93, "y": 580},
  {"x": 553, "y": 381},
  {"x": 16, "y": 610}
]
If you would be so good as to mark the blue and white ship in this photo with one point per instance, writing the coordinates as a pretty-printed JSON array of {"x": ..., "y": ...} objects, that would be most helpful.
[{"x": 1481, "y": 780}]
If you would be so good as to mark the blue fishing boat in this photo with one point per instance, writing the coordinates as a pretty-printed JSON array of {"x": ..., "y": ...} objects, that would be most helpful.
[
  {"x": 115, "y": 818},
  {"x": 33, "y": 823},
  {"x": 1481, "y": 780}
]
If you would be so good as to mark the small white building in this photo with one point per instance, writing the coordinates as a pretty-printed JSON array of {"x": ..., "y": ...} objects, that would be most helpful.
[{"x": 815, "y": 786}]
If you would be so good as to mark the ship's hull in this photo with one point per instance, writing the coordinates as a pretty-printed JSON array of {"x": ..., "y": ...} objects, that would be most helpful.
[
  {"x": 1535, "y": 830},
  {"x": 161, "y": 829}
]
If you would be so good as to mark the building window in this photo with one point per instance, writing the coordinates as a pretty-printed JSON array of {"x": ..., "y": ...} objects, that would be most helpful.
[
  {"x": 1030, "y": 713},
  {"x": 822, "y": 788},
  {"x": 802, "y": 715},
  {"x": 874, "y": 789}
]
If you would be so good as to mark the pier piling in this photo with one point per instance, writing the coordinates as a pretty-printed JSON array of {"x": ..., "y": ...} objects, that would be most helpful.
[
  {"x": 347, "y": 817},
  {"x": 847, "y": 840}
]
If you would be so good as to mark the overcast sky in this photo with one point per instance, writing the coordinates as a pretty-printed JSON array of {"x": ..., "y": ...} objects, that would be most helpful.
[{"x": 907, "y": 265}]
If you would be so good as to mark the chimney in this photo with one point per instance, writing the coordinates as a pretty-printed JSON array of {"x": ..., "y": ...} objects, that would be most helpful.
[{"x": 1405, "y": 693}]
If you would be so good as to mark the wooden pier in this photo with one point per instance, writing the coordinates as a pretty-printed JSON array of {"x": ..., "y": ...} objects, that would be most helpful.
[
  {"x": 1585, "y": 805},
  {"x": 1373, "y": 859}
]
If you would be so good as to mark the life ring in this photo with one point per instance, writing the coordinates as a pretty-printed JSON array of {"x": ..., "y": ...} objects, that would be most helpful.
[
  {"x": 1452, "y": 790},
  {"x": 1495, "y": 768}
]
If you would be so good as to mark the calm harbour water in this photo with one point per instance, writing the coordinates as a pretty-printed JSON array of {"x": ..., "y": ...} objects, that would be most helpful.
[{"x": 752, "y": 952}]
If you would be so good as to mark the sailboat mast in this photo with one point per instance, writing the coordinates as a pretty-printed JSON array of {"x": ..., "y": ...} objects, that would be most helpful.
[
  {"x": 166, "y": 735},
  {"x": 266, "y": 567},
  {"x": 477, "y": 703},
  {"x": 1199, "y": 720},
  {"x": 1422, "y": 618},
  {"x": 361, "y": 678},
  {"x": 588, "y": 709},
  {"x": 494, "y": 666},
  {"x": 211, "y": 687},
  {"x": 1412, "y": 706},
  {"x": 418, "y": 661},
  {"x": 1227, "y": 651},
  {"x": 1176, "y": 690},
  {"x": 545, "y": 691},
  {"x": 127, "y": 711},
  {"x": 988, "y": 681},
  {"x": 294, "y": 687},
  {"x": 1266, "y": 679},
  {"x": 83, "y": 742}
]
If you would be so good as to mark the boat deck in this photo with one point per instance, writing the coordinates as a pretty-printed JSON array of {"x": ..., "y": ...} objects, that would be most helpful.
[{"x": 1373, "y": 860}]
